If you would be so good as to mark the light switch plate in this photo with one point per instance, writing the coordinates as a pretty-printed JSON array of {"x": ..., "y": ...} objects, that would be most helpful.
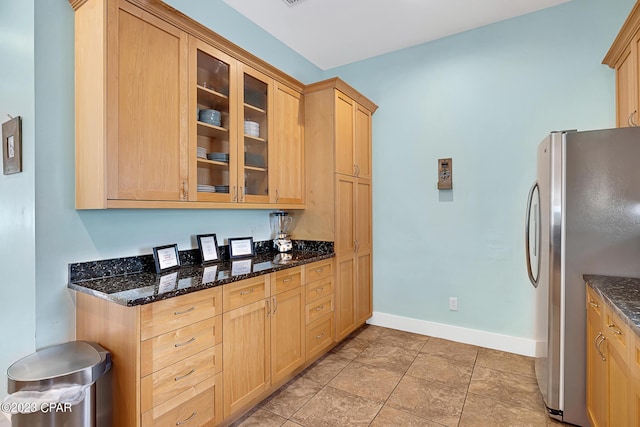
[{"x": 445, "y": 174}]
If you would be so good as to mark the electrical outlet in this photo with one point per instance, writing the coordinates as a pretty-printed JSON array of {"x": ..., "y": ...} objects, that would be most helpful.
[{"x": 453, "y": 304}]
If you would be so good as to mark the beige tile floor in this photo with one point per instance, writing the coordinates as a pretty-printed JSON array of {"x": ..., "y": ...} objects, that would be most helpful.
[{"x": 383, "y": 377}]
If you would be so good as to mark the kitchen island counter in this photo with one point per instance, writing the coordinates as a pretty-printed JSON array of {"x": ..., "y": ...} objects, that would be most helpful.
[{"x": 622, "y": 294}]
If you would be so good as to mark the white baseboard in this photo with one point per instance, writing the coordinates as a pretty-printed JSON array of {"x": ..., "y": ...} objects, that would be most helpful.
[{"x": 523, "y": 346}]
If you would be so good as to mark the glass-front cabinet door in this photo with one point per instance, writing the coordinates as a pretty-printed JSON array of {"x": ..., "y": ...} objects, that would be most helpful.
[
  {"x": 213, "y": 125},
  {"x": 255, "y": 94}
]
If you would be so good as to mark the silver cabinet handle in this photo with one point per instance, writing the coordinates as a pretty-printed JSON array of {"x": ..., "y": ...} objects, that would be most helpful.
[
  {"x": 177, "y": 313},
  {"x": 319, "y": 270},
  {"x": 181, "y": 377},
  {"x": 277, "y": 195},
  {"x": 179, "y": 423},
  {"x": 320, "y": 289},
  {"x": 603, "y": 339},
  {"x": 320, "y": 307},
  {"x": 235, "y": 194},
  {"x": 242, "y": 194},
  {"x": 630, "y": 121},
  {"x": 268, "y": 308},
  {"x": 247, "y": 292},
  {"x": 593, "y": 304},
  {"x": 612, "y": 328},
  {"x": 287, "y": 280},
  {"x": 319, "y": 336},
  {"x": 357, "y": 245},
  {"x": 185, "y": 343},
  {"x": 357, "y": 170},
  {"x": 275, "y": 305},
  {"x": 185, "y": 190}
]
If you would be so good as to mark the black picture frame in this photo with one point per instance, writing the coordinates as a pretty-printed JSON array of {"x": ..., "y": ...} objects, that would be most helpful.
[
  {"x": 166, "y": 257},
  {"x": 208, "y": 245},
  {"x": 241, "y": 247}
]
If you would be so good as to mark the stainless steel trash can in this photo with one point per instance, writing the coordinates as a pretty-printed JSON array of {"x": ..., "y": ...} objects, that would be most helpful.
[{"x": 78, "y": 371}]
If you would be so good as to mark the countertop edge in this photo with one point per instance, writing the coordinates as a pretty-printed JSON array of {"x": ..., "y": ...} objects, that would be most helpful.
[{"x": 132, "y": 302}]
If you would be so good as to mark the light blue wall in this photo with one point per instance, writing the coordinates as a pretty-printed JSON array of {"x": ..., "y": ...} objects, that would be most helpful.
[
  {"x": 486, "y": 98},
  {"x": 17, "y": 224},
  {"x": 64, "y": 235}
]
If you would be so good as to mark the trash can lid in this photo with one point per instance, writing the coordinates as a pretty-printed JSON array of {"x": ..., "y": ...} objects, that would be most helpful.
[{"x": 58, "y": 361}]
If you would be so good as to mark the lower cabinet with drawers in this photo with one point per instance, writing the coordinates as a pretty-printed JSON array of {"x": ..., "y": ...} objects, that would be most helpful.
[
  {"x": 205, "y": 358},
  {"x": 613, "y": 367}
]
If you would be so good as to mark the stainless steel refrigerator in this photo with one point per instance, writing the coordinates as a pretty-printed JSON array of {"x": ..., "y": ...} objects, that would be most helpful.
[{"x": 583, "y": 217}]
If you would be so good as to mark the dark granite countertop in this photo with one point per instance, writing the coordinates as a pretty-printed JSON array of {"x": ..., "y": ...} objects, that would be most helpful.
[
  {"x": 132, "y": 281},
  {"x": 622, "y": 294}
]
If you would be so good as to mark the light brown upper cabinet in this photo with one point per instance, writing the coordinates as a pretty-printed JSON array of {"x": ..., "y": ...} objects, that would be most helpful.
[
  {"x": 171, "y": 115},
  {"x": 353, "y": 137},
  {"x": 623, "y": 57},
  {"x": 287, "y": 162}
]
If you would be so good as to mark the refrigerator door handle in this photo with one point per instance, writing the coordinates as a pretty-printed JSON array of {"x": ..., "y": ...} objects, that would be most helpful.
[{"x": 527, "y": 243}]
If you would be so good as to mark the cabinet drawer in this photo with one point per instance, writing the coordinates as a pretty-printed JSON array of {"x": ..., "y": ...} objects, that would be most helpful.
[
  {"x": 161, "y": 351},
  {"x": 318, "y": 270},
  {"x": 173, "y": 313},
  {"x": 319, "y": 335},
  {"x": 166, "y": 383},
  {"x": 286, "y": 280},
  {"x": 594, "y": 302},
  {"x": 616, "y": 332},
  {"x": 245, "y": 292},
  {"x": 319, "y": 288},
  {"x": 199, "y": 405},
  {"x": 318, "y": 309}
]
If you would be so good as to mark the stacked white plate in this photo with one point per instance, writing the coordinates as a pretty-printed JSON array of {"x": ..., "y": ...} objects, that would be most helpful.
[
  {"x": 206, "y": 188},
  {"x": 252, "y": 128},
  {"x": 201, "y": 152}
]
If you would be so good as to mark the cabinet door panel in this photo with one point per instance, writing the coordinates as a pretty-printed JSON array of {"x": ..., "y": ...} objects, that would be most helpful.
[
  {"x": 345, "y": 296},
  {"x": 345, "y": 216},
  {"x": 213, "y": 86},
  {"x": 147, "y": 134},
  {"x": 287, "y": 170},
  {"x": 596, "y": 367},
  {"x": 256, "y": 135},
  {"x": 287, "y": 333},
  {"x": 246, "y": 354},
  {"x": 617, "y": 388},
  {"x": 626, "y": 88},
  {"x": 364, "y": 298},
  {"x": 344, "y": 135},
  {"x": 362, "y": 142},
  {"x": 363, "y": 215}
]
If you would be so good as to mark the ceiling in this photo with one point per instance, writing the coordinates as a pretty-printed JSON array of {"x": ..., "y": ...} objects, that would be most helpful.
[{"x": 330, "y": 33}]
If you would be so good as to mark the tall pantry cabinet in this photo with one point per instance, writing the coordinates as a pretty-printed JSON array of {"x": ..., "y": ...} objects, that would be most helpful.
[{"x": 338, "y": 183}]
